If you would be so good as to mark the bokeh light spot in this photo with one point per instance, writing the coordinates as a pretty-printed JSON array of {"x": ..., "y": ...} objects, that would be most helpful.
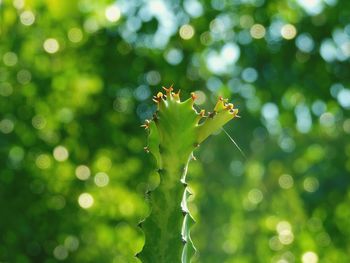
[
  {"x": 6, "y": 89},
  {"x": 312, "y": 7},
  {"x": 328, "y": 50},
  {"x": 275, "y": 244},
  {"x": 286, "y": 237},
  {"x": 6, "y": 126},
  {"x": 255, "y": 196},
  {"x": 142, "y": 92},
  {"x": 344, "y": 98},
  {"x": 318, "y": 107},
  {"x": 60, "y": 153},
  {"x": 103, "y": 163},
  {"x": 91, "y": 25},
  {"x": 51, "y": 45},
  {"x": 24, "y": 76},
  {"x": 327, "y": 119},
  {"x": 286, "y": 181},
  {"x": 65, "y": 115},
  {"x": 16, "y": 154},
  {"x": 288, "y": 31},
  {"x": 257, "y": 31},
  {"x": 206, "y": 38},
  {"x": 112, "y": 13},
  {"x": 174, "y": 56},
  {"x": 153, "y": 77},
  {"x": 82, "y": 172},
  {"x": 85, "y": 200},
  {"x": 309, "y": 257},
  {"x": 18, "y": 4},
  {"x": 38, "y": 122},
  {"x": 311, "y": 184},
  {"x": 246, "y": 21},
  {"x": 186, "y": 32},
  {"x": 282, "y": 226},
  {"x": 60, "y": 252},
  {"x": 10, "y": 59},
  {"x": 230, "y": 53},
  {"x": 43, "y": 161},
  {"x": 71, "y": 243},
  {"x": 304, "y": 120},
  {"x": 75, "y": 35},
  {"x": 193, "y": 7},
  {"x": 101, "y": 179},
  {"x": 27, "y": 18},
  {"x": 305, "y": 42},
  {"x": 270, "y": 111},
  {"x": 250, "y": 75}
]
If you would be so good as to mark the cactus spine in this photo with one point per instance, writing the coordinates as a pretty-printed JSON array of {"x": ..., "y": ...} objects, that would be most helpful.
[{"x": 174, "y": 132}]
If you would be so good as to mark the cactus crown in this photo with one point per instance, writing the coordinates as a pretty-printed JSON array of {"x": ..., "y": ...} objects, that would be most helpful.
[
  {"x": 174, "y": 132},
  {"x": 178, "y": 128}
]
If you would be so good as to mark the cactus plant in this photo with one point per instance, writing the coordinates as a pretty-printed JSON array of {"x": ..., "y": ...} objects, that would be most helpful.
[{"x": 175, "y": 131}]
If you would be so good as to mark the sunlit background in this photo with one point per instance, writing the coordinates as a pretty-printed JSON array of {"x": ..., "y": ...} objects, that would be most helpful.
[{"x": 76, "y": 80}]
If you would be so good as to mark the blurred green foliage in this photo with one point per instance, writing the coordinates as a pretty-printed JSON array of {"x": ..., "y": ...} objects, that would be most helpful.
[{"x": 76, "y": 80}]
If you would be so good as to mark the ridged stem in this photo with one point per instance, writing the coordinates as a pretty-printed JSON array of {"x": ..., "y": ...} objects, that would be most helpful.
[{"x": 166, "y": 230}]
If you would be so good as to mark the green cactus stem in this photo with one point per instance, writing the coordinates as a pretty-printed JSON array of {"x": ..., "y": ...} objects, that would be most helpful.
[{"x": 174, "y": 132}]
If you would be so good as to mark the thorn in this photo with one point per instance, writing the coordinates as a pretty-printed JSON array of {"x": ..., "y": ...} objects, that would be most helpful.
[
  {"x": 140, "y": 224},
  {"x": 146, "y": 149},
  {"x": 193, "y": 96},
  {"x": 183, "y": 182},
  {"x": 168, "y": 90},
  {"x": 234, "y": 112},
  {"x": 193, "y": 157},
  {"x": 176, "y": 95},
  {"x": 211, "y": 114},
  {"x": 229, "y": 106},
  {"x": 222, "y": 99},
  {"x": 155, "y": 117},
  {"x": 196, "y": 144},
  {"x": 158, "y": 97},
  {"x": 146, "y": 124},
  {"x": 200, "y": 116}
]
